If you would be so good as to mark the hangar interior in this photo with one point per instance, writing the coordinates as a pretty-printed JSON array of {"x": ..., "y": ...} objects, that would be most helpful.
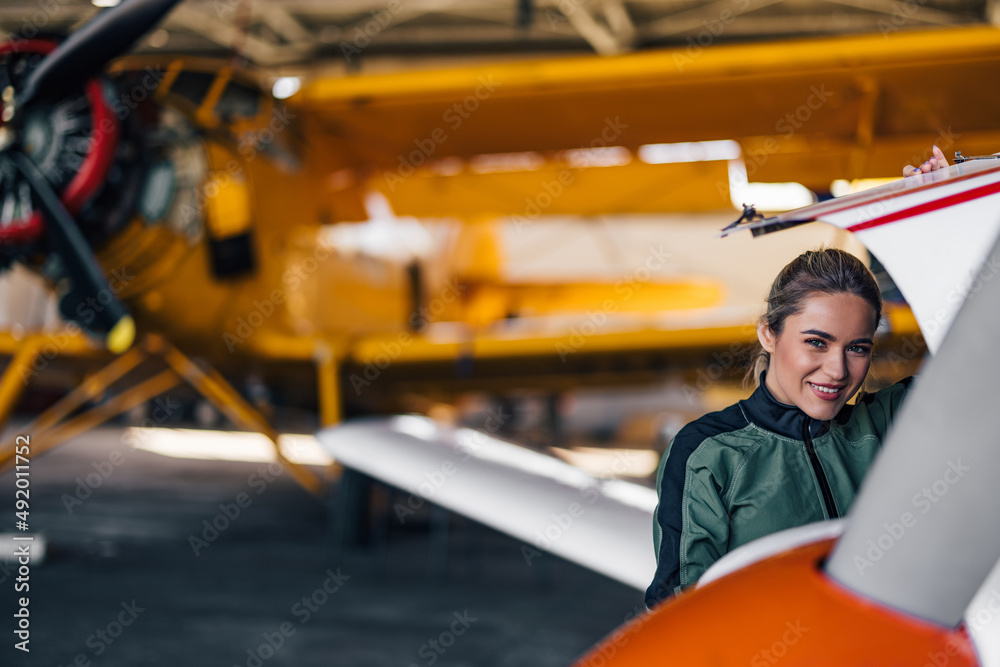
[{"x": 475, "y": 223}]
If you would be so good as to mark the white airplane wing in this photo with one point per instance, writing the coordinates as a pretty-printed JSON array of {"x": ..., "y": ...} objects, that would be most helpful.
[
  {"x": 932, "y": 232},
  {"x": 601, "y": 524}
]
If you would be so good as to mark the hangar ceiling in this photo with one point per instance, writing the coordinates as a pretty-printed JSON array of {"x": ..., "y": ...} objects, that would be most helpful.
[{"x": 359, "y": 34}]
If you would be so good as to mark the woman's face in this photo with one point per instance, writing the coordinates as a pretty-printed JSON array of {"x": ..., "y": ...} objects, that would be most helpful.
[{"x": 822, "y": 355}]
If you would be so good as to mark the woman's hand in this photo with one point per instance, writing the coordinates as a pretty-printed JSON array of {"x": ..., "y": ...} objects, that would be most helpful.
[{"x": 938, "y": 161}]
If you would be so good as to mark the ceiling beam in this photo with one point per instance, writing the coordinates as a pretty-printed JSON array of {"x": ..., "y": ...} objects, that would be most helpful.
[
  {"x": 283, "y": 23},
  {"x": 907, "y": 11},
  {"x": 619, "y": 20},
  {"x": 598, "y": 36},
  {"x": 229, "y": 36},
  {"x": 721, "y": 13}
]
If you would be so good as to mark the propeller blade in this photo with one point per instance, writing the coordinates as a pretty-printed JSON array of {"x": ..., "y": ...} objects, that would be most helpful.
[
  {"x": 86, "y": 52},
  {"x": 67, "y": 241}
]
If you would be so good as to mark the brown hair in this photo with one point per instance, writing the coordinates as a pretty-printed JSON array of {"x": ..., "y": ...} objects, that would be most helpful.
[{"x": 824, "y": 271}]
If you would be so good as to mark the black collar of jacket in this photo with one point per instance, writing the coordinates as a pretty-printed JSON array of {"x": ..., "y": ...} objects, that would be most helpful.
[{"x": 767, "y": 412}]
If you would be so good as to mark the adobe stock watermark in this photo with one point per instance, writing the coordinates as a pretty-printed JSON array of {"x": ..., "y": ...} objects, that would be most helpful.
[
  {"x": 941, "y": 658},
  {"x": 562, "y": 522},
  {"x": 546, "y": 196},
  {"x": 453, "y": 118},
  {"x": 293, "y": 277},
  {"x": 126, "y": 101},
  {"x": 86, "y": 311},
  {"x": 230, "y": 512},
  {"x": 303, "y": 610},
  {"x": 815, "y": 98},
  {"x": 163, "y": 408},
  {"x": 56, "y": 343},
  {"x": 435, "y": 647},
  {"x": 971, "y": 284},
  {"x": 103, "y": 638},
  {"x": 723, "y": 362},
  {"x": 86, "y": 486},
  {"x": 551, "y": 190},
  {"x": 370, "y": 29},
  {"x": 311, "y": 604},
  {"x": 946, "y": 138},
  {"x": 419, "y": 319},
  {"x": 434, "y": 481},
  {"x": 923, "y": 501},
  {"x": 779, "y": 648},
  {"x": 982, "y": 618},
  {"x": 31, "y": 26},
  {"x": 711, "y": 31},
  {"x": 802, "y": 114},
  {"x": 256, "y": 141},
  {"x": 626, "y": 287},
  {"x": 914, "y": 345},
  {"x": 566, "y": 9},
  {"x": 633, "y": 621},
  {"x": 901, "y": 14},
  {"x": 129, "y": 100},
  {"x": 763, "y": 493},
  {"x": 250, "y": 145}
]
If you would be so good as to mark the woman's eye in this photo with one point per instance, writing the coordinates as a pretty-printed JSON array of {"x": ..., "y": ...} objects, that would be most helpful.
[
  {"x": 859, "y": 349},
  {"x": 815, "y": 342}
]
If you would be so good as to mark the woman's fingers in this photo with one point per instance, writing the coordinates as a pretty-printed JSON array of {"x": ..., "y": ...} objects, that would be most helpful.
[
  {"x": 935, "y": 162},
  {"x": 939, "y": 157}
]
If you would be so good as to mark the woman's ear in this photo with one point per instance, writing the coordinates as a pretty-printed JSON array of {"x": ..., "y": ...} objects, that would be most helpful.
[{"x": 765, "y": 336}]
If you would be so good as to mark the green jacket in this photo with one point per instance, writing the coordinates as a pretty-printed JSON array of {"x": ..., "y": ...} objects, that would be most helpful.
[{"x": 754, "y": 468}]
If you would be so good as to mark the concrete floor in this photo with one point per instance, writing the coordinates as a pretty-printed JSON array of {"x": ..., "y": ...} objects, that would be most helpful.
[{"x": 125, "y": 555}]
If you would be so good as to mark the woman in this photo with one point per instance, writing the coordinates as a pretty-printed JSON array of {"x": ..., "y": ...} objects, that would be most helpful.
[{"x": 792, "y": 453}]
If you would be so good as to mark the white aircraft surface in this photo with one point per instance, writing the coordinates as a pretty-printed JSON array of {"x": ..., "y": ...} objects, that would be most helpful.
[{"x": 936, "y": 234}]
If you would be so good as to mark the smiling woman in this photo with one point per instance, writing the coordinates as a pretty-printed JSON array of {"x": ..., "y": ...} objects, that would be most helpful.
[
  {"x": 829, "y": 304},
  {"x": 824, "y": 358},
  {"x": 792, "y": 453}
]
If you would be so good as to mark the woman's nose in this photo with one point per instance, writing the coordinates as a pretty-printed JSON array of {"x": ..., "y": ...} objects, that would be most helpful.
[{"x": 836, "y": 366}]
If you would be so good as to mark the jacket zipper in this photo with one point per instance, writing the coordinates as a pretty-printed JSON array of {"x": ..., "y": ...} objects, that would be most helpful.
[{"x": 824, "y": 485}]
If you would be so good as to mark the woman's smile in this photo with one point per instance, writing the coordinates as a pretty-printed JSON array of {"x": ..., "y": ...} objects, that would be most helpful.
[
  {"x": 825, "y": 392},
  {"x": 822, "y": 354}
]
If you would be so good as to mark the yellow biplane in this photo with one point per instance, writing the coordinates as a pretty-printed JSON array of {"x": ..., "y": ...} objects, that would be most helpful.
[{"x": 363, "y": 234}]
